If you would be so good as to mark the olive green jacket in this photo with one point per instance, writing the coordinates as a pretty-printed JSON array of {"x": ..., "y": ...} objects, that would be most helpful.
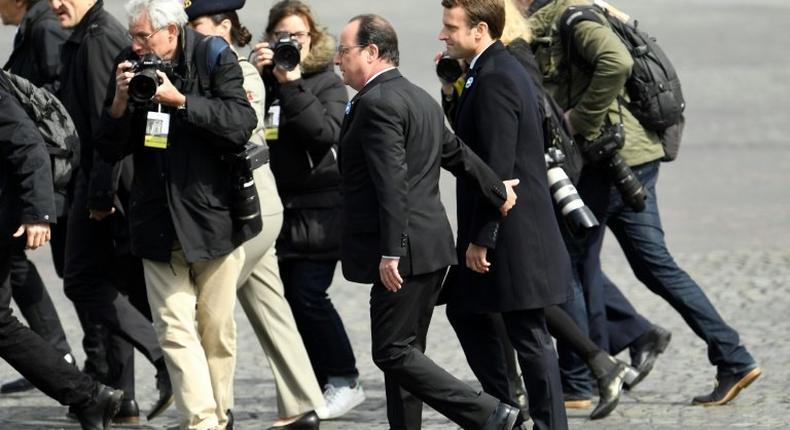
[{"x": 591, "y": 82}]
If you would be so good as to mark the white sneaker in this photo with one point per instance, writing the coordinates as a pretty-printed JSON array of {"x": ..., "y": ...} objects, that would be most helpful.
[{"x": 340, "y": 400}]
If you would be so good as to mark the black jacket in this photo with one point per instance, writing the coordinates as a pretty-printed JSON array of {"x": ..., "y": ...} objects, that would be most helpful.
[
  {"x": 392, "y": 144},
  {"x": 88, "y": 64},
  {"x": 36, "y": 53},
  {"x": 25, "y": 175},
  {"x": 497, "y": 116},
  {"x": 304, "y": 156},
  {"x": 183, "y": 192}
]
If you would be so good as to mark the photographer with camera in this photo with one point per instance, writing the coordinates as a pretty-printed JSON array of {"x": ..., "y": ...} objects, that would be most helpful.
[
  {"x": 586, "y": 72},
  {"x": 181, "y": 217},
  {"x": 305, "y": 105}
]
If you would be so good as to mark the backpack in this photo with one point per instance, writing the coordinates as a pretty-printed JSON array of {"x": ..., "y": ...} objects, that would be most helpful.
[
  {"x": 54, "y": 124},
  {"x": 653, "y": 87}
]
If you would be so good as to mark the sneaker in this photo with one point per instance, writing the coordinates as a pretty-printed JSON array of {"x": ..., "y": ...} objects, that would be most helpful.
[{"x": 340, "y": 400}]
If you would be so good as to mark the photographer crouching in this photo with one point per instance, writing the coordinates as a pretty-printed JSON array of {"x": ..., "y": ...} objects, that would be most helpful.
[{"x": 178, "y": 104}]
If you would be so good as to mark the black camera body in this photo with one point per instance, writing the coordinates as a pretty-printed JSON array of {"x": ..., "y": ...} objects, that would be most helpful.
[
  {"x": 448, "y": 69},
  {"x": 578, "y": 217},
  {"x": 143, "y": 85},
  {"x": 245, "y": 206},
  {"x": 603, "y": 151},
  {"x": 287, "y": 51}
]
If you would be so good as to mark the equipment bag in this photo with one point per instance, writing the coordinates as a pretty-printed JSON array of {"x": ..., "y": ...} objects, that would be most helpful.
[
  {"x": 653, "y": 88},
  {"x": 54, "y": 124}
]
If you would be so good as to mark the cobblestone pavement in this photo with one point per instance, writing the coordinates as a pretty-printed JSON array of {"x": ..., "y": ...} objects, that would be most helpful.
[
  {"x": 749, "y": 289},
  {"x": 724, "y": 202}
]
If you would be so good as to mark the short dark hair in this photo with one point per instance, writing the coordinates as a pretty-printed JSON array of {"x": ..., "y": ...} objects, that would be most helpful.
[
  {"x": 491, "y": 12},
  {"x": 375, "y": 30}
]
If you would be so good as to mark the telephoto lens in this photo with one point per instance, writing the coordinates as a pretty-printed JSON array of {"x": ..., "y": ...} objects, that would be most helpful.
[
  {"x": 245, "y": 205},
  {"x": 287, "y": 53},
  {"x": 630, "y": 188},
  {"x": 448, "y": 69},
  {"x": 577, "y": 215}
]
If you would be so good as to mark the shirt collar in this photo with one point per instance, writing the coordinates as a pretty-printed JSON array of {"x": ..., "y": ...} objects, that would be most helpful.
[
  {"x": 377, "y": 75},
  {"x": 474, "y": 60}
]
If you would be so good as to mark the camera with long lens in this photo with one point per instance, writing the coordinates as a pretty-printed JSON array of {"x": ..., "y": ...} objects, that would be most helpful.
[
  {"x": 603, "y": 151},
  {"x": 245, "y": 207},
  {"x": 577, "y": 215},
  {"x": 143, "y": 85},
  {"x": 448, "y": 69},
  {"x": 287, "y": 51}
]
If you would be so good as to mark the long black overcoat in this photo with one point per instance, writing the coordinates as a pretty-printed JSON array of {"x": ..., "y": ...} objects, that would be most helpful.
[{"x": 498, "y": 118}]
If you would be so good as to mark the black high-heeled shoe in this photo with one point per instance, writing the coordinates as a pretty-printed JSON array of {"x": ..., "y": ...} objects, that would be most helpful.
[{"x": 308, "y": 421}]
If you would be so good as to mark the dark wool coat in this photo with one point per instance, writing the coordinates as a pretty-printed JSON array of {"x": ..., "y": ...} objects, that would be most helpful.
[{"x": 498, "y": 118}]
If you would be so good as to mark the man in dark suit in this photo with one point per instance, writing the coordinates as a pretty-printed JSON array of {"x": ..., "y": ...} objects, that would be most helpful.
[
  {"x": 395, "y": 231},
  {"x": 518, "y": 265}
]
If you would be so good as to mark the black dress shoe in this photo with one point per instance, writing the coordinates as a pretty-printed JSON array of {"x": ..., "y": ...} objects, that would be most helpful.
[
  {"x": 166, "y": 396},
  {"x": 308, "y": 421},
  {"x": 98, "y": 414},
  {"x": 17, "y": 386},
  {"x": 503, "y": 418},
  {"x": 645, "y": 351},
  {"x": 229, "y": 425},
  {"x": 610, "y": 387},
  {"x": 128, "y": 413},
  {"x": 727, "y": 387}
]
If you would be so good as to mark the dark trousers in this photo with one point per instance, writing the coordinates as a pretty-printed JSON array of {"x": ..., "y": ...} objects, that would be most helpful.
[
  {"x": 34, "y": 302},
  {"x": 31, "y": 355},
  {"x": 305, "y": 283},
  {"x": 529, "y": 336},
  {"x": 641, "y": 237},
  {"x": 108, "y": 318},
  {"x": 399, "y": 325}
]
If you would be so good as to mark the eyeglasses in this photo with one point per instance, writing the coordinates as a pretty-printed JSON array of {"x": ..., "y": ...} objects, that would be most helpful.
[
  {"x": 143, "y": 38},
  {"x": 299, "y": 35},
  {"x": 342, "y": 50}
]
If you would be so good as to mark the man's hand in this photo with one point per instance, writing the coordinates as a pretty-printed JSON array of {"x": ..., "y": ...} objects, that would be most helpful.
[
  {"x": 37, "y": 234},
  {"x": 511, "y": 196},
  {"x": 476, "y": 258},
  {"x": 167, "y": 94},
  {"x": 122, "y": 78},
  {"x": 100, "y": 215},
  {"x": 388, "y": 271}
]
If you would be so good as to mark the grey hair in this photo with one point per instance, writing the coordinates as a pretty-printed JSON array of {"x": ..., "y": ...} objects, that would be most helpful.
[{"x": 160, "y": 12}]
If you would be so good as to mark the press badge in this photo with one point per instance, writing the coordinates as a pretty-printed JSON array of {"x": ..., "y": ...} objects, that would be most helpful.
[
  {"x": 157, "y": 127},
  {"x": 271, "y": 122}
]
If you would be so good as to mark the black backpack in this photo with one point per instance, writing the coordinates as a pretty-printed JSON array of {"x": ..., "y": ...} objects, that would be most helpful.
[
  {"x": 653, "y": 88},
  {"x": 54, "y": 124}
]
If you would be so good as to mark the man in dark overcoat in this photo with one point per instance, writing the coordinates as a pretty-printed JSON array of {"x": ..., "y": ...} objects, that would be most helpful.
[{"x": 516, "y": 265}]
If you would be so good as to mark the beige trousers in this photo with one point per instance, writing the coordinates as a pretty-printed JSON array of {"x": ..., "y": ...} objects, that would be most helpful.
[
  {"x": 192, "y": 305},
  {"x": 262, "y": 297}
]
